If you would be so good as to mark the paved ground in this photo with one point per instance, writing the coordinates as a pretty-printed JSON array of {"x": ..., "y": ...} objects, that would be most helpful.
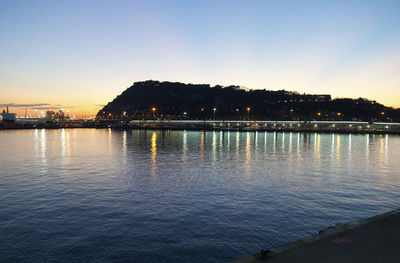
[{"x": 375, "y": 239}]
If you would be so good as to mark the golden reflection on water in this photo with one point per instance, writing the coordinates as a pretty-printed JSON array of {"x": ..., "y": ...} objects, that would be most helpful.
[
  {"x": 124, "y": 144},
  {"x": 318, "y": 147},
  {"x": 153, "y": 153},
  {"x": 202, "y": 146},
  {"x": 237, "y": 143},
  {"x": 386, "y": 148},
  {"x": 337, "y": 147},
  {"x": 248, "y": 147},
  {"x": 248, "y": 151},
  {"x": 227, "y": 144}
]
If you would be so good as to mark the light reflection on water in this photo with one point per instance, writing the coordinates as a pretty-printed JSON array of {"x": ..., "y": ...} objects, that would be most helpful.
[
  {"x": 154, "y": 152},
  {"x": 179, "y": 196}
]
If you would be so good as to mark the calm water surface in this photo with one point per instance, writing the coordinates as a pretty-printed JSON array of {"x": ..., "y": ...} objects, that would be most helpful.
[{"x": 92, "y": 195}]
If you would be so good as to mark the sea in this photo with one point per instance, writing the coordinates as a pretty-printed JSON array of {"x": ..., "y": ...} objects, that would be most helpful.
[{"x": 104, "y": 195}]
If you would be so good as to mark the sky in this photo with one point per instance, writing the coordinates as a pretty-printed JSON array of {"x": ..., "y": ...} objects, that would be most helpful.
[{"x": 79, "y": 55}]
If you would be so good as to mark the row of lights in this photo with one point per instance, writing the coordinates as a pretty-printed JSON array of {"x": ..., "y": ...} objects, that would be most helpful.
[
  {"x": 153, "y": 109},
  {"x": 202, "y": 109},
  {"x": 319, "y": 113}
]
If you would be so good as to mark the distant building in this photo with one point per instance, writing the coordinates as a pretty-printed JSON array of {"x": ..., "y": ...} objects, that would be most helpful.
[
  {"x": 318, "y": 97},
  {"x": 324, "y": 97},
  {"x": 8, "y": 117}
]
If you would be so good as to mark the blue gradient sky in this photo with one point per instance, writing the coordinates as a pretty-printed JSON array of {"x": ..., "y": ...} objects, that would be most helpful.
[{"x": 81, "y": 54}]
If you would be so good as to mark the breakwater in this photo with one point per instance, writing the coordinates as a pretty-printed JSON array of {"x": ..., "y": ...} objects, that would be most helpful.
[{"x": 373, "y": 239}]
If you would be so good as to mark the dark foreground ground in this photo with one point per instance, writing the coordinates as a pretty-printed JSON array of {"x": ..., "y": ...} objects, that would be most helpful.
[{"x": 375, "y": 239}]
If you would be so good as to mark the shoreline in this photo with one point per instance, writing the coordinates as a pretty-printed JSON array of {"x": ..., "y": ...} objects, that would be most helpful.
[
  {"x": 356, "y": 129},
  {"x": 374, "y": 239}
]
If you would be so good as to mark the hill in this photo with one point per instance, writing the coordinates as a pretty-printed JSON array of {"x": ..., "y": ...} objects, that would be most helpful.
[{"x": 173, "y": 100}]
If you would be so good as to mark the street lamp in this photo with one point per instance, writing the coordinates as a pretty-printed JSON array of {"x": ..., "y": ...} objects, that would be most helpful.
[
  {"x": 215, "y": 109},
  {"x": 248, "y": 113},
  {"x": 154, "y": 113}
]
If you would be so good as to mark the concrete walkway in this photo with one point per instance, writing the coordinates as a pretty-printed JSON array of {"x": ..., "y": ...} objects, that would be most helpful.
[{"x": 376, "y": 239}]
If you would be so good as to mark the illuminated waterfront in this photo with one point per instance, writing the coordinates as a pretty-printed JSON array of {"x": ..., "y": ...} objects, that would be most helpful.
[{"x": 176, "y": 196}]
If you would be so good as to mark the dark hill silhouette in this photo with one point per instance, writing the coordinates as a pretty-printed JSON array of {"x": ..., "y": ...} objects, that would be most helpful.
[{"x": 174, "y": 100}]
